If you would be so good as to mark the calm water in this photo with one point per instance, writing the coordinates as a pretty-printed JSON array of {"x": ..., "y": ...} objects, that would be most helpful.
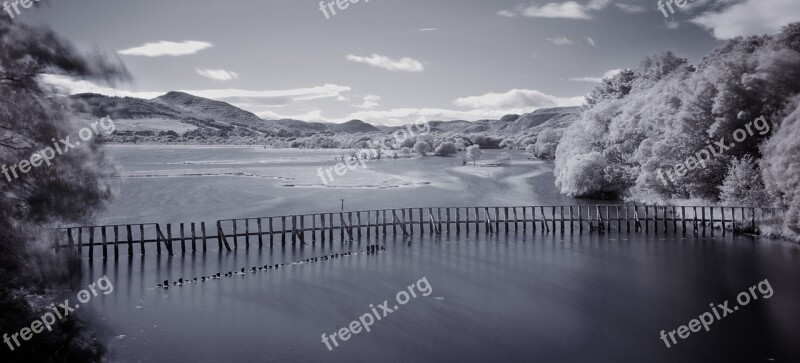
[{"x": 517, "y": 297}]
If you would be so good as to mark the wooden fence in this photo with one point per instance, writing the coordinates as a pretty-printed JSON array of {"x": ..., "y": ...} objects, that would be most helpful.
[{"x": 354, "y": 225}]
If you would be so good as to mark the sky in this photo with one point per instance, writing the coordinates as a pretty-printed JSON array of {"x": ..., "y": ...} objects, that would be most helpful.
[{"x": 391, "y": 61}]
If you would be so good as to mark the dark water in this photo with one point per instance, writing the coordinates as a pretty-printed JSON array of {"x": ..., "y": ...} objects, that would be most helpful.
[
  {"x": 518, "y": 297},
  {"x": 521, "y": 297}
]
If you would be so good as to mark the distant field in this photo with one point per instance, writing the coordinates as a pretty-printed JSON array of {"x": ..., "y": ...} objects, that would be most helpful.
[{"x": 148, "y": 124}]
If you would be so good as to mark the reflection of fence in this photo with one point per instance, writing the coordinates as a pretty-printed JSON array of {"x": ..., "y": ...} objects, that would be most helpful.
[{"x": 322, "y": 227}]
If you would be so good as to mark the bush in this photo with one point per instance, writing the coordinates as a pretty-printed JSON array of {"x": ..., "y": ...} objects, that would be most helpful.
[
  {"x": 446, "y": 149},
  {"x": 422, "y": 148}
]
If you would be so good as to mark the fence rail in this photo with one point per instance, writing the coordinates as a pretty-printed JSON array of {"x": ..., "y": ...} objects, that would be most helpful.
[{"x": 353, "y": 225}]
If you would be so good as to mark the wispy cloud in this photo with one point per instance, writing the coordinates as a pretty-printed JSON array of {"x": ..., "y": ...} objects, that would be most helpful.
[
  {"x": 428, "y": 29},
  {"x": 217, "y": 74},
  {"x": 68, "y": 85},
  {"x": 630, "y": 8},
  {"x": 590, "y": 41},
  {"x": 517, "y": 98},
  {"x": 384, "y": 62},
  {"x": 565, "y": 10},
  {"x": 370, "y": 101},
  {"x": 608, "y": 74},
  {"x": 750, "y": 17},
  {"x": 163, "y": 48},
  {"x": 560, "y": 41}
]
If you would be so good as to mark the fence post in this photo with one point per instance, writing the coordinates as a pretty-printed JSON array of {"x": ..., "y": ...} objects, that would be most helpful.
[
  {"x": 141, "y": 238},
  {"x": 203, "y": 232},
  {"x": 130, "y": 240},
  {"x": 194, "y": 238}
]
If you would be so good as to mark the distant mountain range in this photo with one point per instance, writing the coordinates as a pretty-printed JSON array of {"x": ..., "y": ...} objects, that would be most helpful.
[{"x": 180, "y": 112}]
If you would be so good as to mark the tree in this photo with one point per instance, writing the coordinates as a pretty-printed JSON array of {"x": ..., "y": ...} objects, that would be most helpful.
[
  {"x": 743, "y": 185},
  {"x": 446, "y": 149},
  {"x": 422, "y": 148},
  {"x": 71, "y": 189},
  {"x": 474, "y": 153},
  {"x": 503, "y": 159},
  {"x": 531, "y": 149}
]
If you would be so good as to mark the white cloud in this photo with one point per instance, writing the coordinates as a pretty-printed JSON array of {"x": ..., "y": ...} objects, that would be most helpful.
[
  {"x": 163, "y": 48},
  {"x": 310, "y": 116},
  {"x": 381, "y": 61},
  {"x": 217, "y": 74},
  {"x": 590, "y": 40},
  {"x": 565, "y": 10},
  {"x": 560, "y": 41},
  {"x": 428, "y": 29},
  {"x": 370, "y": 101},
  {"x": 608, "y": 74},
  {"x": 630, "y": 8},
  {"x": 68, "y": 85},
  {"x": 517, "y": 98},
  {"x": 751, "y": 17},
  {"x": 672, "y": 24}
]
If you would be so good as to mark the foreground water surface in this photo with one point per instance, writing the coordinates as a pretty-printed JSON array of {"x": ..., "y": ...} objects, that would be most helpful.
[{"x": 509, "y": 297}]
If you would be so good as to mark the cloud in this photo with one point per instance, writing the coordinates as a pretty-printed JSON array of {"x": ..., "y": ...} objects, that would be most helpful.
[
  {"x": 565, "y": 10},
  {"x": 370, "y": 101},
  {"x": 590, "y": 40},
  {"x": 560, "y": 41},
  {"x": 517, "y": 98},
  {"x": 606, "y": 75},
  {"x": 163, "y": 48},
  {"x": 68, "y": 85},
  {"x": 630, "y": 8},
  {"x": 311, "y": 116},
  {"x": 217, "y": 74},
  {"x": 751, "y": 17},
  {"x": 428, "y": 29},
  {"x": 380, "y": 61}
]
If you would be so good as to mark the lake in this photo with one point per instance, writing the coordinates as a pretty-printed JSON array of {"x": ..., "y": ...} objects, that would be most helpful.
[{"x": 508, "y": 297}]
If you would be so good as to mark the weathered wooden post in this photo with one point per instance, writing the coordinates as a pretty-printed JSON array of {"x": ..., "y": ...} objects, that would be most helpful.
[
  {"x": 294, "y": 229},
  {"x": 458, "y": 220},
  {"x": 524, "y": 219},
  {"x": 183, "y": 244},
  {"x": 160, "y": 237},
  {"x": 313, "y": 229},
  {"x": 105, "y": 241},
  {"x": 169, "y": 239},
  {"x": 272, "y": 232},
  {"x": 674, "y": 219},
  {"x": 91, "y": 243},
  {"x": 358, "y": 219},
  {"x": 283, "y": 230},
  {"x": 80, "y": 241},
  {"x": 141, "y": 238},
  {"x": 205, "y": 237},
  {"x": 260, "y": 234},
  {"x": 247, "y": 232},
  {"x": 322, "y": 227},
  {"x": 477, "y": 220},
  {"x": 194, "y": 238},
  {"x": 130, "y": 240}
]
